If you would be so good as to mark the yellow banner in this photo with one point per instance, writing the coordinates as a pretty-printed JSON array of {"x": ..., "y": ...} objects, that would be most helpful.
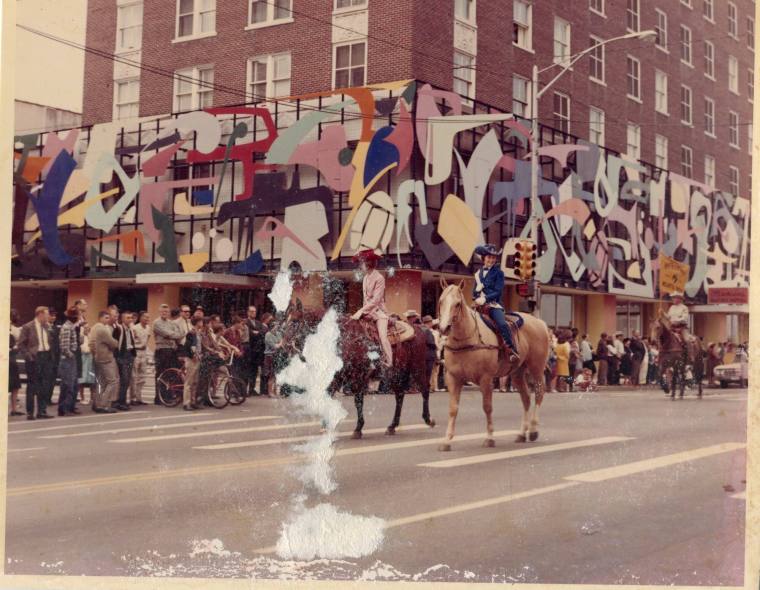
[{"x": 673, "y": 275}]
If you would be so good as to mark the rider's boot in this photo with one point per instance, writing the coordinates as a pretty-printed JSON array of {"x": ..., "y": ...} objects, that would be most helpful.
[{"x": 511, "y": 354}]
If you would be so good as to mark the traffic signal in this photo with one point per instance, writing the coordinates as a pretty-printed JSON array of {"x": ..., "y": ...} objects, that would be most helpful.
[{"x": 525, "y": 260}]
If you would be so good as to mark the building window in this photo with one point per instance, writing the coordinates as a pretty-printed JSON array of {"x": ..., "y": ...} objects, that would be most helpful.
[
  {"x": 710, "y": 171},
  {"x": 193, "y": 88},
  {"x": 596, "y": 6},
  {"x": 632, "y": 15},
  {"x": 465, "y": 10},
  {"x": 126, "y": 100},
  {"x": 634, "y": 77},
  {"x": 269, "y": 12},
  {"x": 633, "y": 140},
  {"x": 557, "y": 310},
  {"x": 129, "y": 27},
  {"x": 708, "y": 10},
  {"x": 195, "y": 17},
  {"x": 733, "y": 180},
  {"x": 710, "y": 117},
  {"x": 751, "y": 84},
  {"x": 522, "y": 30},
  {"x": 661, "y": 92},
  {"x": 733, "y": 74},
  {"x": 596, "y": 60},
  {"x": 561, "y": 41},
  {"x": 733, "y": 129},
  {"x": 349, "y": 3},
  {"x": 733, "y": 27},
  {"x": 686, "y": 45},
  {"x": 661, "y": 28},
  {"x": 687, "y": 168},
  {"x": 596, "y": 126},
  {"x": 269, "y": 76},
  {"x": 751, "y": 33},
  {"x": 628, "y": 317},
  {"x": 562, "y": 112},
  {"x": 661, "y": 151},
  {"x": 686, "y": 3},
  {"x": 349, "y": 65},
  {"x": 686, "y": 105},
  {"x": 464, "y": 74},
  {"x": 520, "y": 106},
  {"x": 710, "y": 60}
]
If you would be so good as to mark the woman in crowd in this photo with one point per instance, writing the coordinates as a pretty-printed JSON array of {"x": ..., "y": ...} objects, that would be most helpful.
[
  {"x": 14, "y": 379},
  {"x": 272, "y": 347},
  {"x": 562, "y": 351}
]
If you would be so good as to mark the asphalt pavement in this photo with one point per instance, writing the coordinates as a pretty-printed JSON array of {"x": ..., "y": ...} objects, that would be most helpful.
[{"x": 621, "y": 487}]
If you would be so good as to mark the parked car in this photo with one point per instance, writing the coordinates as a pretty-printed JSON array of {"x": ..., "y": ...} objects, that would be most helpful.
[{"x": 732, "y": 373}]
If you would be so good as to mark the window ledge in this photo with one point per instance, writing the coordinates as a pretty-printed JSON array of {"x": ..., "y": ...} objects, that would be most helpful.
[
  {"x": 596, "y": 12},
  {"x": 269, "y": 23},
  {"x": 598, "y": 81},
  {"x": 663, "y": 49},
  {"x": 126, "y": 50},
  {"x": 711, "y": 78},
  {"x": 663, "y": 113},
  {"x": 467, "y": 23},
  {"x": 634, "y": 99},
  {"x": 734, "y": 92},
  {"x": 711, "y": 135},
  {"x": 687, "y": 124},
  {"x": 733, "y": 146},
  {"x": 528, "y": 49},
  {"x": 349, "y": 9},
  {"x": 194, "y": 37},
  {"x": 686, "y": 63},
  {"x": 709, "y": 20}
]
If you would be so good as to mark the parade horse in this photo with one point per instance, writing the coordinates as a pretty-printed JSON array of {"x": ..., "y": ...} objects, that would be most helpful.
[
  {"x": 473, "y": 353},
  {"x": 674, "y": 358},
  {"x": 360, "y": 351}
]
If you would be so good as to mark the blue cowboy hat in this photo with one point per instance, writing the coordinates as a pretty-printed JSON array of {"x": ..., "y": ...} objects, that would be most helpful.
[{"x": 487, "y": 250}]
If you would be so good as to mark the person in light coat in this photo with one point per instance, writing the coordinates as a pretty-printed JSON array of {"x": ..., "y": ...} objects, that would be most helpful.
[{"x": 373, "y": 288}]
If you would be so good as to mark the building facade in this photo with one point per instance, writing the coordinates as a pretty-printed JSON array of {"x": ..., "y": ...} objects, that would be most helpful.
[{"x": 402, "y": 127}]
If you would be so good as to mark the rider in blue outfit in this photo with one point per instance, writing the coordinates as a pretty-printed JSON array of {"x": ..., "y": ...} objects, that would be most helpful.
[{"x": 489, "y": 284}]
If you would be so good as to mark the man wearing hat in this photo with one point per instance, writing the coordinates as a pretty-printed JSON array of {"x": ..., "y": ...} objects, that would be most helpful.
[
  {"x": 678, "y": 315},
  {"x": 489, "y": 285},
  {"x": 373, "y": 289}
]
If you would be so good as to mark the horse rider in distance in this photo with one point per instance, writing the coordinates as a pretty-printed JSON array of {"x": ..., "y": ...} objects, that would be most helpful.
[
  {"x": 373, "y": 289},
  {"x": 678, "y": 316},
  {"x": 487, "y": 293}
]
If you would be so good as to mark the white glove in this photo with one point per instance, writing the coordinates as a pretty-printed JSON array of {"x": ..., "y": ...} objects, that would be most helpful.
[{"x": 480, "y": 300}]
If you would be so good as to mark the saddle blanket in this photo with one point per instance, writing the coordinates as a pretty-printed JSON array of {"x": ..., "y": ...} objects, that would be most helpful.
[
  {"x": 398, "y": 331},
  {"x": 514, "y": 323}
]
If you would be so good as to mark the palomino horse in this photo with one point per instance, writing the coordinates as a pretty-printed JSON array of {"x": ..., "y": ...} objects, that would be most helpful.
[
  {"x": 472, "y": 354},
  {"x": 357, "y": 350},
  {"x": 674, "y": 359}
]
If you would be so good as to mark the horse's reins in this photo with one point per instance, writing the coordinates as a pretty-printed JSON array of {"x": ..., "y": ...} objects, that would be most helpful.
[{"x": 481, "y": 346}]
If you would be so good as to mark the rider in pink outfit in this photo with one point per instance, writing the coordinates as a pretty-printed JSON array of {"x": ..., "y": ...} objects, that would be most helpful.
[{"x": 373, "y": 287}]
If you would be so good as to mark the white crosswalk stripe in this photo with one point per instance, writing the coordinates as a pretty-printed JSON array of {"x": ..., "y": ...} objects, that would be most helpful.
[
  {"x": 292, "y": 439},
  {"x": 215, "y": 432},
  {"x": 161, "y": 426},
  {"x": 534, "y": 450}
]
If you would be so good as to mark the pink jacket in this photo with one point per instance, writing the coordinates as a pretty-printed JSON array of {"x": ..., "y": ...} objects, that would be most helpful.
[{"x": 373, "y": 287}]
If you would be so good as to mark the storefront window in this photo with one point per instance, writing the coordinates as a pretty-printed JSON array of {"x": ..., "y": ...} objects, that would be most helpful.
[
  {"x": 628, "y": 317},
  {"x": 557, "y": 310}
]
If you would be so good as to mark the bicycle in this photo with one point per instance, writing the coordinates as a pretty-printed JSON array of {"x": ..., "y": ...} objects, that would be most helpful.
[{"x": 223, "y": 388}]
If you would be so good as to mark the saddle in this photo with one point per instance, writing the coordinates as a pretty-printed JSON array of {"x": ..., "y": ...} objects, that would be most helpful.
[
  {"x": 514, "y": 323},
  {"x": 398, "y": 331}
]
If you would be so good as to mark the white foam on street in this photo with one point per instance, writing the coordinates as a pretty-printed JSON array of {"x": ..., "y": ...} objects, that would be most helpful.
[
  {"x": 281, "y": 291},
  {"x": 322, "y": 531}
]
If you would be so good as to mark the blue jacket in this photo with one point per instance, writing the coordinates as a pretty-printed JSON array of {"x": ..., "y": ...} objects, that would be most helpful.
[{"x": 493, "y": 284}]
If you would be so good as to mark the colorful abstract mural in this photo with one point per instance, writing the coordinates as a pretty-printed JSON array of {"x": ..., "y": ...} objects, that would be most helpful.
[{"x": 400, "y": 167}]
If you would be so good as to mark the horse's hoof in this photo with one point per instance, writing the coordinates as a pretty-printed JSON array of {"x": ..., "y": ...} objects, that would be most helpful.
[
  {"x": 444, "y": 448},
  {"x": 390, "y": 431},
  {"x": 431, "y": 423},
  {"x": 357, "y": 434},
  {"x": 489, "y": 443},
  {"x": 533, "y": 436},
  {"x": 520, "y": 438}
]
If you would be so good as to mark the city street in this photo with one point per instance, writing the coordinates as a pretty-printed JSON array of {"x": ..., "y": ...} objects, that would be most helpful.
[{"x": 621, "y": 487}]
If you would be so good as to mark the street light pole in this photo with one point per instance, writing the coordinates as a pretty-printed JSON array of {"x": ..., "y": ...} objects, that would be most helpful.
[{"x": 536, "y": 94}]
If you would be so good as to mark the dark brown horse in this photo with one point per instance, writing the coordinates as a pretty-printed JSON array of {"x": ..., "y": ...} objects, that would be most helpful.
[
  {"x": 361, "y": 358},
  {"x": 674, "y": 358}
]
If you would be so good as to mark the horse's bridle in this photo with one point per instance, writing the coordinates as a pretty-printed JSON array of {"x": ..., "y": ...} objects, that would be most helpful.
[{"x": 476, "y": 332}]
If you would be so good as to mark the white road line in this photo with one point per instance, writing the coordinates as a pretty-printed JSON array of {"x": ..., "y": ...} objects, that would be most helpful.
[
  {"x": 534, "y": 450},
  {"x": 215, "y": 432},
  {"x": 425, "y": 516},
  {"x": 740, "y": 496},
  {"x": 654, "y": 463},
  {"x": 29, "y": 449},
  {"x": 160, "y": 426},
  {"x": 101, "y": 416},
  {"x": 104, "y": 423},
  {"x": 360, "y": 450},
  {"x": 275, "y": 441}
]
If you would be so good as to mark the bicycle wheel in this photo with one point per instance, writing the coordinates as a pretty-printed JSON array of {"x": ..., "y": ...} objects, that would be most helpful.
[
  {"x": 235, "y": 390},
  {"x": 217, "y": 392},
  {"x": 170, "y": 385}
]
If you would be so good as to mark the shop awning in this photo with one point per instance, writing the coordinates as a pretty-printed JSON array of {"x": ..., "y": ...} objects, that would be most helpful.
[
  {"x": 196, "y": 278},
  {"x": 720, "y": 308}
]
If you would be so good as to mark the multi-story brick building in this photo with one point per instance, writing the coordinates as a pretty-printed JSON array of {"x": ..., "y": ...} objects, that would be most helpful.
[{"x": 680, "y": 102}]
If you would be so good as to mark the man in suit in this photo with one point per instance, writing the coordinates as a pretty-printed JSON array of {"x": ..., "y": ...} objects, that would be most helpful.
[
  {"x": 103, "y": 345},
  {"x": 125, "y": 358},
  {"x": 35, "y": 345},
  {"x": 489, "y": 285},
  {"x": 256, "y": 333}
]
